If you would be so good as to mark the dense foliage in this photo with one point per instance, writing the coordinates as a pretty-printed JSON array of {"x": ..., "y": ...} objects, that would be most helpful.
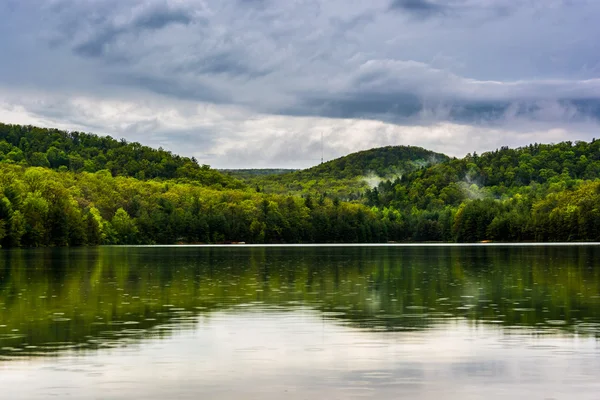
[
  {"x": 77, "y": 152},
  {"x": 501, "y": 172},
  {"x": 254, "y": 172},
  {"x": 41, "y": 207},
  {"x": 347, "y": 177},
  {"x": 382, "y": 161},
  {"x": 538, "y": 192},
  {"x": 53, "y": 192}
]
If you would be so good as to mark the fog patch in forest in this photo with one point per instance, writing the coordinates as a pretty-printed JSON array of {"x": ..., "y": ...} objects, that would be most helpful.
[
  {"x": 372, "y": 180},
  {"x": 472, "y": 188}
]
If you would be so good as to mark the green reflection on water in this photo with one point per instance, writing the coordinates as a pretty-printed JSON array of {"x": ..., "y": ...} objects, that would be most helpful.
[{"x": 57, "y": 299}]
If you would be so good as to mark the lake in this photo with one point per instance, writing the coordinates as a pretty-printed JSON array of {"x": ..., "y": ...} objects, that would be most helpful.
[{"x": 322, "y": 322}]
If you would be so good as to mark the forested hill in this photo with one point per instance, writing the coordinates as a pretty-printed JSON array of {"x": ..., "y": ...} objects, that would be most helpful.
[
  {"x": 256, "y": 172},
  {"x": 78, "y": 152},
  {"x": 541, "y": 192},
  {"x": 381, "y": 161},
  {"x": 100, "y": 193},
  {"x": 494, "y": 174},
  {"x": 347, "y": 177}
]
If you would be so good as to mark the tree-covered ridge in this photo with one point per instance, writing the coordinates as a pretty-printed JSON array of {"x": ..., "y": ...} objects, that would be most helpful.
[
  {"x": 347, "y": 177},
  {"x": 247, "y": 173},
  {"x": 541, "y": 192},
  {"x": 381, "y": 161},
  {"x": 77, "y": 152},
  {"x": 495, "y": 174},
  {"x": 534, "y": 193},
  {"x": 42, "y": 207}
]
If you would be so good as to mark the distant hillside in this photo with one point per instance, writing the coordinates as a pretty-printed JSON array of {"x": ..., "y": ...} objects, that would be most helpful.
[
  {"x": 254, "y": 172},
  {"x": 382, "y": 161},
  {"x": 498, "y": 173},
  {"x": 347, "y": 177},
  {"x": 76, "y": 151}
]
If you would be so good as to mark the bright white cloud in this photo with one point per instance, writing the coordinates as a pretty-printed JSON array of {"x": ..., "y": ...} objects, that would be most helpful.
[{"x": 235, "y": 137}]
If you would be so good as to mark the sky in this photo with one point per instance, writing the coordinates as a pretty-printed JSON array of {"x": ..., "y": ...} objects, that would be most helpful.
[{"x": 255, "y": 83}]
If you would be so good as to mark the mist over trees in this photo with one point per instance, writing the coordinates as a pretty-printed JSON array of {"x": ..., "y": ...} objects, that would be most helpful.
[
  {"x": 41, "y": 207},
  {"x": 540, "y": 192},
  {"x": 70, "y": 189}
]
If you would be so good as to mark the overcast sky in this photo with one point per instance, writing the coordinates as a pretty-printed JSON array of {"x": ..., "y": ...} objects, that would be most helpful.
[{"x": 254, "y": 83}]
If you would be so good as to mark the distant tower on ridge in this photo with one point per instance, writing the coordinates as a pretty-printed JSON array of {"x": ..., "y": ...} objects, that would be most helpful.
[{"x": 321, "y": 147}]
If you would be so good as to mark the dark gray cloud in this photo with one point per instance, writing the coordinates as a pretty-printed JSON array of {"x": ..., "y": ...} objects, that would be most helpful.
[
  {"x": 159, "y": 17},
  {"x": 421, "y": 8},
  {"x": 408, "y": 109},
  {"x": 106, "y": 32},
  {"x": 411, "y": 92},
  {"x": 390, "y": 106},
  {"x": 325, "y": 59},
  {"x": 472, "y": 12},
  {"x": 254, "y": 3},
  {"x": 194, "y": 91},
  {"x": 226, "y": 63},
  {"x": 490, "y": 63}
]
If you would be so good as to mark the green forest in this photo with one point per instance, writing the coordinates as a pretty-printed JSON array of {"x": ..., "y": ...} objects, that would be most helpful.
[{"x": 61, "y": 188}]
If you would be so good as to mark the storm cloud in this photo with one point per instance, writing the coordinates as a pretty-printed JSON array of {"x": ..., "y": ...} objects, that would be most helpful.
[
  {"x": 423, "y": 8},
  {"x": 254, "y": 82}
]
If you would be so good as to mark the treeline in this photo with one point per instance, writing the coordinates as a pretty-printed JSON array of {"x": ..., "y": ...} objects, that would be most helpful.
[
  {"x": 66, "y": 188},
  {"x": 256, "y": 172},
  {"x": 567, "y": 215},
  {"x": 78, "y": 152},
  {"x": 381, "y": 161},
  {"x": 41, "y": 207}
]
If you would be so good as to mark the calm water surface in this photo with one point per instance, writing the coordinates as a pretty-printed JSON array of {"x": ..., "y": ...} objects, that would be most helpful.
[{"x": 301, "y": 323}]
